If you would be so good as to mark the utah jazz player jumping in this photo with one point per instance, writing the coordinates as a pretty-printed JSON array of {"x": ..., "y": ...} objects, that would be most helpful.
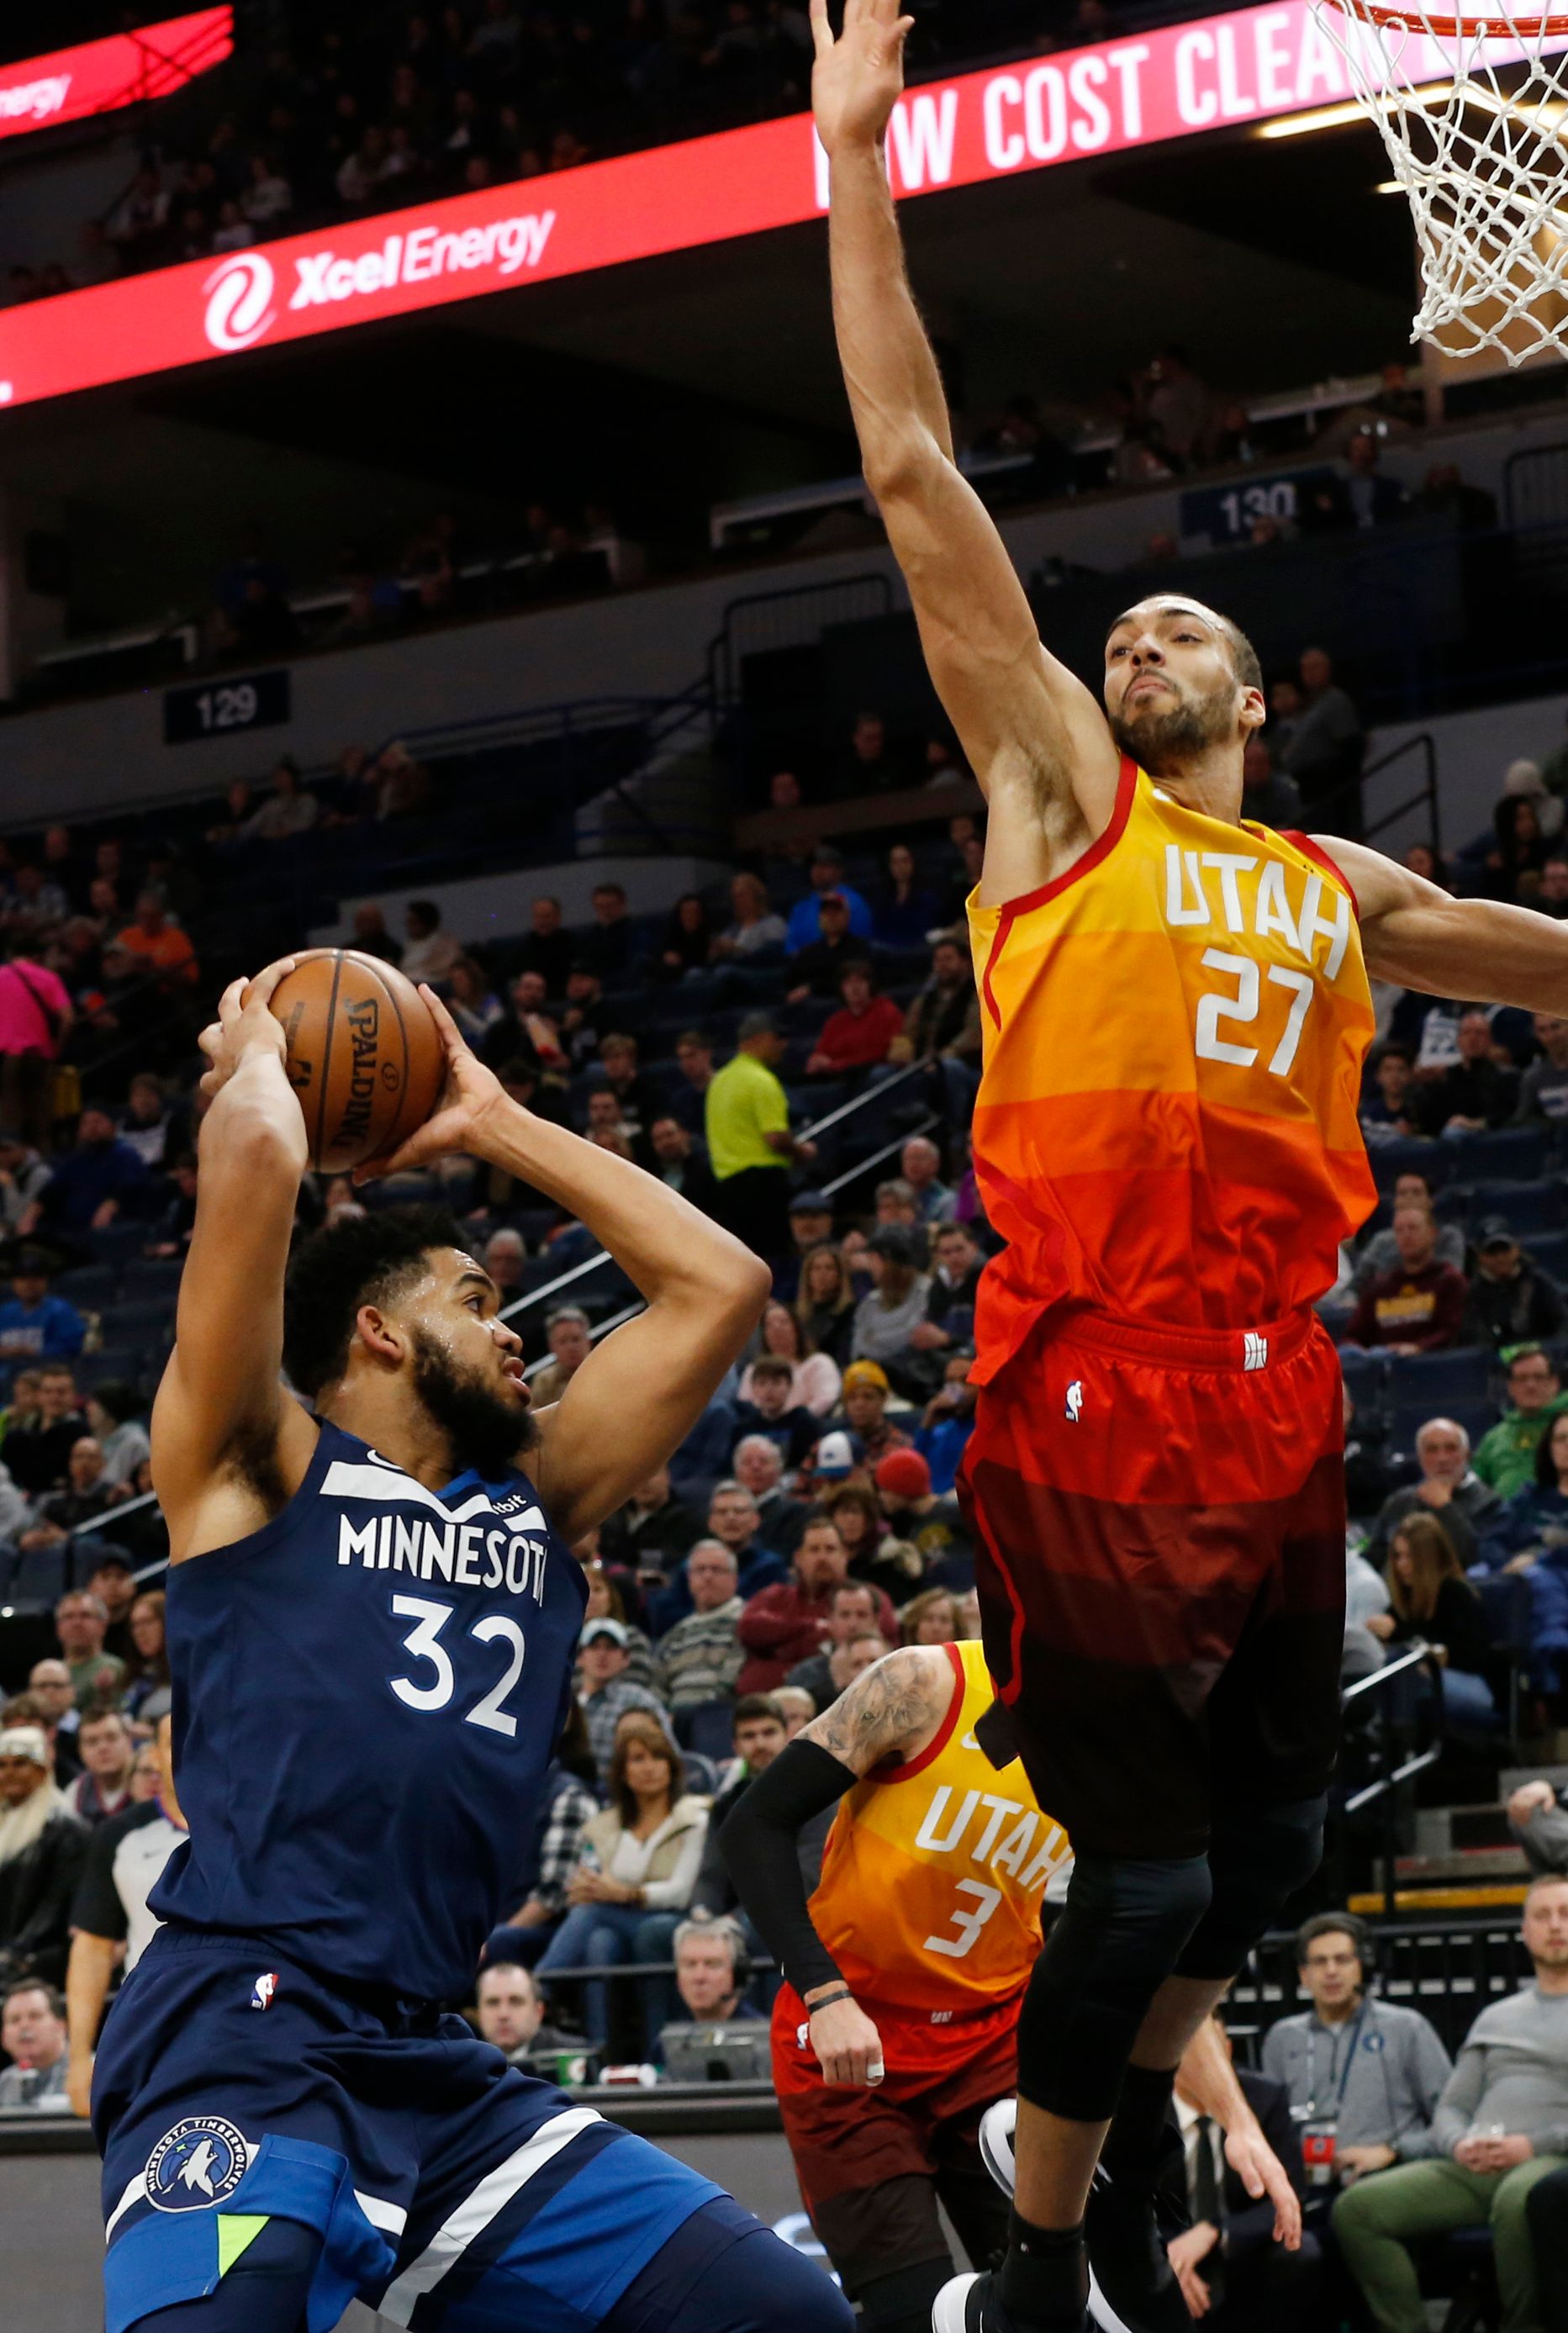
[
  {"x": 372, "y": 1619},
  {"x": 1176, "y": 1011}
]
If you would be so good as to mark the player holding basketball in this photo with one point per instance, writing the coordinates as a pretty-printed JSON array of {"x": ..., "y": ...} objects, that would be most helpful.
[
  {"x": 372, "y": 1619},
  {"x": 1176, "y": 1012},
  {"x": 895, "y": 2028}
]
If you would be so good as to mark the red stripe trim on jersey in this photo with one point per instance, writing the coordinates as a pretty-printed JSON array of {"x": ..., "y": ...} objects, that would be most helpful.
[
  {"x": 1085, "y": 864},
  {"x": 1311, "y": 850},
  {"x": 943, "y": 1734}
]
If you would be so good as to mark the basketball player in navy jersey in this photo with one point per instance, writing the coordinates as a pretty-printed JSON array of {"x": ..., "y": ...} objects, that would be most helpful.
[{"x": 373, "y": 1617}]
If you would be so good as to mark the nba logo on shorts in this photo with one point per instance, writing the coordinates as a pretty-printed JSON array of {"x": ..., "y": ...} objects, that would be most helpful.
[
  {"x": 263, "y": 1990},
  {"x": 1075, "y": 1401},
  {"x": 197, "y": 2164}
]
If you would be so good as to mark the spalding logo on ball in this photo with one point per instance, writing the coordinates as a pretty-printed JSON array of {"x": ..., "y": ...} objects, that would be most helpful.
[{"x": 364, "y": 1055}]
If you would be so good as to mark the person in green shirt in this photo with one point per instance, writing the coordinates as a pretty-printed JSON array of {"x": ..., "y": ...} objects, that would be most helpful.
[
  {"x": 1505, "y": 1457},
  {"x": 96, "y": 1677},
  {"x": 749, "y": 1144}
]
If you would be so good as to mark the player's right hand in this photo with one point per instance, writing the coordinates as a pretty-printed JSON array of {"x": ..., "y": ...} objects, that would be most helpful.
[
  {"x": 858, "y": 78},
  {"x": 244, "y": 1023},
  {"x": 848, "y": 2045}
]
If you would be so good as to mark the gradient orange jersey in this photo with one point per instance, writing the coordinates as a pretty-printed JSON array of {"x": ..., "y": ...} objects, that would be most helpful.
[
  {"x": 1168, "y": 1123},
  {"x": 934, "y": 1871}
]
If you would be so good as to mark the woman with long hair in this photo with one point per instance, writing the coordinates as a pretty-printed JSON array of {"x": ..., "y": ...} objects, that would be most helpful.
[
  {"x": 930, "y": 1618},
  {"x": 877, "y": 1558},
  {"x": 904, "y": 916},
  {"x": 817, "y": 1381},
  {"x": 635, "y": 1872},
  {"x": 471, "y": 1001},
  {"x": 1434, "y": 1602},
  {"x": 148, "y": 1683},
  {"x": 825, "y": 1305},
  {"x": 687, "y": 940}
]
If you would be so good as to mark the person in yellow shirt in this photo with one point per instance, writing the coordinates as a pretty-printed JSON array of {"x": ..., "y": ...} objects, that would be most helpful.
[
  {"x": 895, "y": 2028},
  {"x": 749, "y": 1144}
]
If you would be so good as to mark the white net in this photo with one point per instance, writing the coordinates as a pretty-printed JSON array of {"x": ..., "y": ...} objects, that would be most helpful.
[{"x": 1473, "y": 111}]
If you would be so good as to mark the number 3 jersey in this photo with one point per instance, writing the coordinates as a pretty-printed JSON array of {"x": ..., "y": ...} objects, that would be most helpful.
[
  {"x": 367, "y": 1695},
  {"x": 934, "y": 1870},
  {"x": 1168, "y": 1123}
]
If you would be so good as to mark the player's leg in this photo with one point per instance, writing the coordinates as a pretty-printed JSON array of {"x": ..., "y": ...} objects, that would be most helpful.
[
  {"x": 722, "y": 2271},
  {"x": 265, "y": 2289},
  {"x": 867, "y": 2169}
]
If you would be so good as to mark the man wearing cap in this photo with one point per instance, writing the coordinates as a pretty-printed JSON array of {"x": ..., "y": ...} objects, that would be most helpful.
[
  {"x": 886, "y": 1320},
  {"x": 1504, "y": 1457},
  {"x": 43, "y": 1848},
  {"x": 933, "y": 1525},
  {"x": 604, "y": 1692},
  {"x": 35, "y": 1325},
  {"x": 811, "y": 1225},
  {"x": 827, "y": 875},
  {"x": 866, "y": 1391},
  {"x": 818, "y": 969},
  {"x": 859, "y": 1034},
  {"x": 839, "y": 1457},
  {"x": 1510, "y": 1302},
  {"x": 784, "y": 1624},
  {"x": 750, "y": 1146}
]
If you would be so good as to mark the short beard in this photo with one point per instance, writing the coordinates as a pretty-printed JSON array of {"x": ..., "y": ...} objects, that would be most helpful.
[
  {"x": 488, "y": 1431},
  {"x": 1164, "y": 742}
]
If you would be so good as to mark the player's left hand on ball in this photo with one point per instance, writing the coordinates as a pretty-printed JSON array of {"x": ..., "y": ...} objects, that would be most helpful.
[
  {"x": 1261, "y": 2172},
  {"x": 848, "y": 2045},
  {"x": 470, "y": 1092},
  {"x": 244, "y": 1023}
]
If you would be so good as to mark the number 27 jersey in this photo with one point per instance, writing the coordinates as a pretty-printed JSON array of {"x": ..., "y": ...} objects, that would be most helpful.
[
  {"x": 1168, "y": 1120},
  {"x": 367, "y": 1695}
]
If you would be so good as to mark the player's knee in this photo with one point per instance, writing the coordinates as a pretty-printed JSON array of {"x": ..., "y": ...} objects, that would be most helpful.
[
  {"x": 770, "y": 2288},
  {"x": 1258, "y": 1862},
  {"x": 1126, "y": 1923}
]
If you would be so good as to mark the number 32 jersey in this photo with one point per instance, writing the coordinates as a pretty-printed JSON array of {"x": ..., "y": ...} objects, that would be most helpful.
[
  {"x": 367, "y": 1695},
  {"x": 1168, "y": 1123},
  {"x": 934, "y": 1871}
]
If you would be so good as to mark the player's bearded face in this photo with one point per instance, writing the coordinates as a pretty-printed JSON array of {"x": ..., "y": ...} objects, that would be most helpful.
[
  {"x": 1168, "y": 728},
  {"x": 489, "y": 1429}
]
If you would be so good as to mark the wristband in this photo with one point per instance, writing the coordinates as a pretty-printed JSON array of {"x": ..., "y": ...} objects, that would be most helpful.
[{"x": 826, "y": 2000}]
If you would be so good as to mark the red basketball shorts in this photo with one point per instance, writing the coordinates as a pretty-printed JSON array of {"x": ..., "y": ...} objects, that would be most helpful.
[{"x": 1158, "y": 1518}]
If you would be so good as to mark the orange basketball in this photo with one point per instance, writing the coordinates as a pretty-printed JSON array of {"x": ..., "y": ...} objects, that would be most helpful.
[{"x": 364, "y": 1055}]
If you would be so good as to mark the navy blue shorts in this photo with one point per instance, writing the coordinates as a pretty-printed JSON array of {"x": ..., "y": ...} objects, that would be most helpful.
[{"x": 441, "y": 2180}]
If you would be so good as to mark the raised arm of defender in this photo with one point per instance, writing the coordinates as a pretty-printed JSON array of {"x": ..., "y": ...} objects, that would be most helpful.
[
  {"x": 1414, "y": 933},
  {"x": 1035, "y": 736}
]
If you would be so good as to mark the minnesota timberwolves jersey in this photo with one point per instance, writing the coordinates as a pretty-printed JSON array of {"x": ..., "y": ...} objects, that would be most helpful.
[{"x": 366, "y": 1695}]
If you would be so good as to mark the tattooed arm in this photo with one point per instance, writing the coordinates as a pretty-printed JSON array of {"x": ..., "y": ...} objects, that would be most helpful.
[
  {"x": 892, "y": 1712},
  {"x": 888, "y": 1715}
]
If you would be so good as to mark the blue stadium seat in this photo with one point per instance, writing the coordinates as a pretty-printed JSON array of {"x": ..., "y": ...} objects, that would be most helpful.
[
  {"x": 1517, "y": 1153},
  {"x": 117, "y": 1244},
  {"x": 115, "y": 1361},
  {"x": 1549, "y": 1253},
  {"x": 88, "y": 1286},
  {"x": 1437, "y": 1378},
  {"x": 37, "y": 1579},
  {"x": 1434, "y": 1160},
  {"x": 1527, "y": 1207},
  {"x": 148, "y": 1276},
  {"x": 138, "y": 1324},
  {"x": 1366, "y": 1377}
]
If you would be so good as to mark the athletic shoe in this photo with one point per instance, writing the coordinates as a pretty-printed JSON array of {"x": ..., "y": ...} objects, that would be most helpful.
[
  {"x": 968, "y": 2304},
  {"x": 1132, "y": 2288}
]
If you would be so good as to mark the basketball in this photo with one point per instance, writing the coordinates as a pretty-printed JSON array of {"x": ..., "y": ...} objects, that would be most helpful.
[{"x": 364, "y": 1055}]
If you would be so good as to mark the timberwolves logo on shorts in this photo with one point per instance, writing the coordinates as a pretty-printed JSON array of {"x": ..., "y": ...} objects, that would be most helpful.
[{"x": 197, "y": 2162}]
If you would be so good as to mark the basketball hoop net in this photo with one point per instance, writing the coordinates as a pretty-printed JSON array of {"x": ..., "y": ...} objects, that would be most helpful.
[{"x": 1473, "y": 110}]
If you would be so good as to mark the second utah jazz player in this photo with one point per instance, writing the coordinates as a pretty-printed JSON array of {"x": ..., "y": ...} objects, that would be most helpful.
[
  {"x": 1176, "y": 1011},
  {"x": 373, "y": 1613}
]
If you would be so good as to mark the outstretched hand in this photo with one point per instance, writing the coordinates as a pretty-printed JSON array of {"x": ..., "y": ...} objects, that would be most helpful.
[
  {"x": 470, "y": 1093},
  {"x": 1261, "y": 2172},
  {"x": 858, "y": 78},
  {"x": 244, "y": 1024}
]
